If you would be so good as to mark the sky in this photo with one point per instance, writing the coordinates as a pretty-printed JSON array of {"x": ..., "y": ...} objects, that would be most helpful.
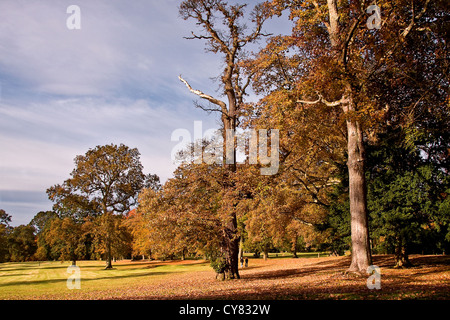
[{"x": 113, "y": 80}]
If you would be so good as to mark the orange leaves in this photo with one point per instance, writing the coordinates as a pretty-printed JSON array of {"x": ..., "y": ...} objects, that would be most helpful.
[{"x": 189, "y": 212}]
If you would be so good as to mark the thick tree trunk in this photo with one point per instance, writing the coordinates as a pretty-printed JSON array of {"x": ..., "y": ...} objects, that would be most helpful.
[
  {"x": 108, "y": 229},
  {"x": 266, "y": 253},
  {"x": 361, "y": 256},
  {"x": 231, "y": 249},
  {"x": 108, "y": 254},
  {"x": 231, "y": 237},
  {"x": 294, "y": 247},
  {"x": 401, "y": 254}
]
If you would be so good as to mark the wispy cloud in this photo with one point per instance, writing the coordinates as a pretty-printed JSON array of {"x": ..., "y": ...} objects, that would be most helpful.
[{"x": 48, "y": 136}]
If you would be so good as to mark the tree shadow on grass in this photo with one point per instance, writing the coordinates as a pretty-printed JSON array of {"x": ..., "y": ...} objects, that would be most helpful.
[
  {"x": 63, "y": 280},
  {"x": 156, "y": 263}
]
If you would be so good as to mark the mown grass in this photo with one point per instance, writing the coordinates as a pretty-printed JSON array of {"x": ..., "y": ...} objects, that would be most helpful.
[
  {"x": 31, "y": 280},
  {"x": 35, "y": 280}
]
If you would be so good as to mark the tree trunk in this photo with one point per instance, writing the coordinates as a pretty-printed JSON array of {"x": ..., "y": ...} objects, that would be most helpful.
[
  {"x": 73, "y": 258},
  {"x": 361, "y": 256},
  {"x": 265, "y": 253},
  {"x": 401, "y": 255},
  {"x": 108, "y": 254},
  {"x": 232, "y": 238},
  {"x": 294, "y": 246},
  {"x": 231, "y": 249},
  {"x": 241, "y": 248}
]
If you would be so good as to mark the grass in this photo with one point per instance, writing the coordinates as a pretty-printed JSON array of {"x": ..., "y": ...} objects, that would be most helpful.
[
  {"x": 282, "y": 277},
  {"x": 31, "y": 280},
  {"x": 290, "y": 255}
]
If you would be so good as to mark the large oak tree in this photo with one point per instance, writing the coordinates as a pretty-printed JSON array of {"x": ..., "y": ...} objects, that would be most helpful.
[
  {"x": 225, "y": 34},
  {"x": 106, "y": 181},
  {"x": 346, "y": 66}
]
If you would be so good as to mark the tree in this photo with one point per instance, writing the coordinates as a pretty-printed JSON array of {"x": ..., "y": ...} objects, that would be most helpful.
[
  {"x": 5, "y": 230},
  {"x": 41, "y": 223},
  {"x": 406, "y": 190},
  {"x": 137, "y": 222},
  {"x": 66, "y": 239},
  {"x": 106, "y": 181},
  {"x": 22, "y": 243},
  {"x": 226, "y": 35},
  {"x": 343, "y": 65},
  {"x": 186, "y": 215},
  {"x": 111, "y": 236},
  {"x": 139, "y": 230},
  {"x": 42, "y": 219}
]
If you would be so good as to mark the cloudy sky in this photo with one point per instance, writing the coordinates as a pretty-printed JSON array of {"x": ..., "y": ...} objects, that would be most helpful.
[{"x": 63, "y": 91}]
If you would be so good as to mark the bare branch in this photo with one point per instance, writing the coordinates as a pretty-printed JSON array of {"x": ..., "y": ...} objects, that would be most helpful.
[
  {"x": 296, "y": 218},
  {"x": 209, "y": 110},
  {"x": 336, "y": 103},
  {"x": 221, "y": 104},
  {"x": 349, "y": 38},
  {"x": 303, "y": 222},
  {"x": 414, "y": 18},
  {"x": 194, "y": 36}
]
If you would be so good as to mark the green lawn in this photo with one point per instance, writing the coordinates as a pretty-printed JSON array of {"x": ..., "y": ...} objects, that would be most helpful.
[{"x": 31, "y": 280}]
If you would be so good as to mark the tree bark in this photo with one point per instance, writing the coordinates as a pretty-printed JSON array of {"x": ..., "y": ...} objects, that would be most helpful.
[
  {"x": 232, "y": 237},
  {"x": 294, "y": 246},
  {"x": 108, "y": 230},
  {"x": 108, "y": 254},
  {"x": 241, "y": 248},
  {"x": 361, "y": 256},
  {"x": 401, "y": 254},
  {"x": 231, "y": 249}
]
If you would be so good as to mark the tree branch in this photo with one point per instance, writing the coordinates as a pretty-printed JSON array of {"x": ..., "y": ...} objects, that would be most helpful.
[
  {"x": 221, "y": 104},
  {"x": 349, "y": 38},
  {"x": 194, "y": 36},
  {"x": 297, "y": 219},
  {"x": 414, "y": 18},
  {"x": 303, "y": 222},
  {"x": 197, "y": 105},
  {"x": 336, "y": 103}
]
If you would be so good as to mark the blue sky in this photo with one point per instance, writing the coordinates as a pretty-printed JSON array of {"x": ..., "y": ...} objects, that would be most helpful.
[{"x": 112, "y": 81}]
